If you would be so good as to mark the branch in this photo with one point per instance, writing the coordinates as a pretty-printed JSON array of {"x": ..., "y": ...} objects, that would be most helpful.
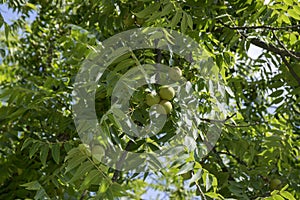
[
  {"x": 274, "y": 49},
  {"x": 230, "y": 125},
  {"x": 282, "y": 45},
  {"x": 262, "y": 44},
  {"x": 265, "y": 27},
  {"x": 233, "y": 156},
  {"x": 294, "y": 74},
  {"x": 218, "y": 121},
  {"x": 241, "y": 126},
  {"x": 83, "y": 195}
]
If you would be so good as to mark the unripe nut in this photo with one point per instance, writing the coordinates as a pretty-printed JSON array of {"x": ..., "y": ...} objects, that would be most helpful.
[
  {"x": 175, "y": 73},
  {"x": 166, "y": 92},
  {"x": 152, "y": 99},
  {"x": 166, "y": 107}
]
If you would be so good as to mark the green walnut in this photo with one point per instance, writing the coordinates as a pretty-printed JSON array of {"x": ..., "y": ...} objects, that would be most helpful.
[
  {"x": 175, "y": 73},
  {"x": 165, "y": 108},
  {"x": 97, "y": 153},
  {"x": 275, "y": 183},
  {"x": 152, "y": 99},
  {"x": 166, "y": 92}
]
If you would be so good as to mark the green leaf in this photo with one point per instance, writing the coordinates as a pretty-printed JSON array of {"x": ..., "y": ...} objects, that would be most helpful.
[
  {"x": 167, "y": 9},
  {"x": 277, "y": 197},
  {"x": 116, "y": 53},
  {"x": 287, "y": 195},
  {"x": 278, "y": 100},
  {"x": 75, "y": 161},
  {"x": 276, "y": 93},
  {"x": 34, "y": 148},
  {"x": 189, "y": 21},
  {"x": 44, "y": 153},
  {"x": 154, "y": 162},
  {"x": 268, "y": 198},
  {"x": 134, "y": 146},
  {"x": 1, "y": 20},
  {"x": 147, "y": 11},
  {"x": 284, "y": 18},
  {"x": 196, "y": 176},
  {"x": 212, "y": 195},
  {"x": 55, "y": 150},
  {"x": 19, "y": 112},
  {"x": 82, "y": 170},
  {"x": 274, "y": 192},
  {"x": 103, "y": 186},
  {"x": 109, "y": 195},
  {"x": 34, "y": 185},
  {"x": 152, "y": 146},
  {"x": 124, "y": 65},
  {"x": 288, "y": 2},
  {"x": 117, "y": 190},
  {"x": 186, "y": 168},
  {"x": 41, "y": 195},
  {"x": 73, "y": 153},
  {"x": 209, "y": 180},
  {"x": 258, "y": 13},
  {"x": 6, "y": 30},
  {"x": 2, "y": 51},
  {"x": 227, "y": 58},
  {"x": 114, "y": 120},
  {"x": 294, "y": 13},
  {"x": 93, "y": 177},
  {"x": 121, "y": 58},
  {"x": 27, "y": 142},
  {"x": 30, "y": 5},
  {"x": 176, "y": 19},
  {"x": 183, "y": 25}
]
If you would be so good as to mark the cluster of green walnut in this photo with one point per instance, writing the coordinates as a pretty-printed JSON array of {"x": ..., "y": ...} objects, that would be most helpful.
[{"x": 166, "y": 93}]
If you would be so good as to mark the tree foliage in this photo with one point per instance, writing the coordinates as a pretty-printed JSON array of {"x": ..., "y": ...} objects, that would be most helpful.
[{"x": 41, "y": 155}]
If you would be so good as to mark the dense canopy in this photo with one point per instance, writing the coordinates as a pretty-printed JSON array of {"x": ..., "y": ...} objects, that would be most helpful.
[{"x": 255, "y": 47}]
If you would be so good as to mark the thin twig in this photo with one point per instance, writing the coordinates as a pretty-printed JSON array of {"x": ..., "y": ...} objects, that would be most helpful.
[
  {"x": 199, "y": 188},
  {"x": 241, "y": 126},
  {"x": 274, "y": 49},
  {"x": 233, "y": 156},
  {"x": 294, "y": 74},
  {"x": 282, "y": 45},
  {"x": 85, "y": 192},
  {"x": 265, "y": 27},
  {"x": 218, "y": 121},
  {"x": 230, "y": 125}
]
